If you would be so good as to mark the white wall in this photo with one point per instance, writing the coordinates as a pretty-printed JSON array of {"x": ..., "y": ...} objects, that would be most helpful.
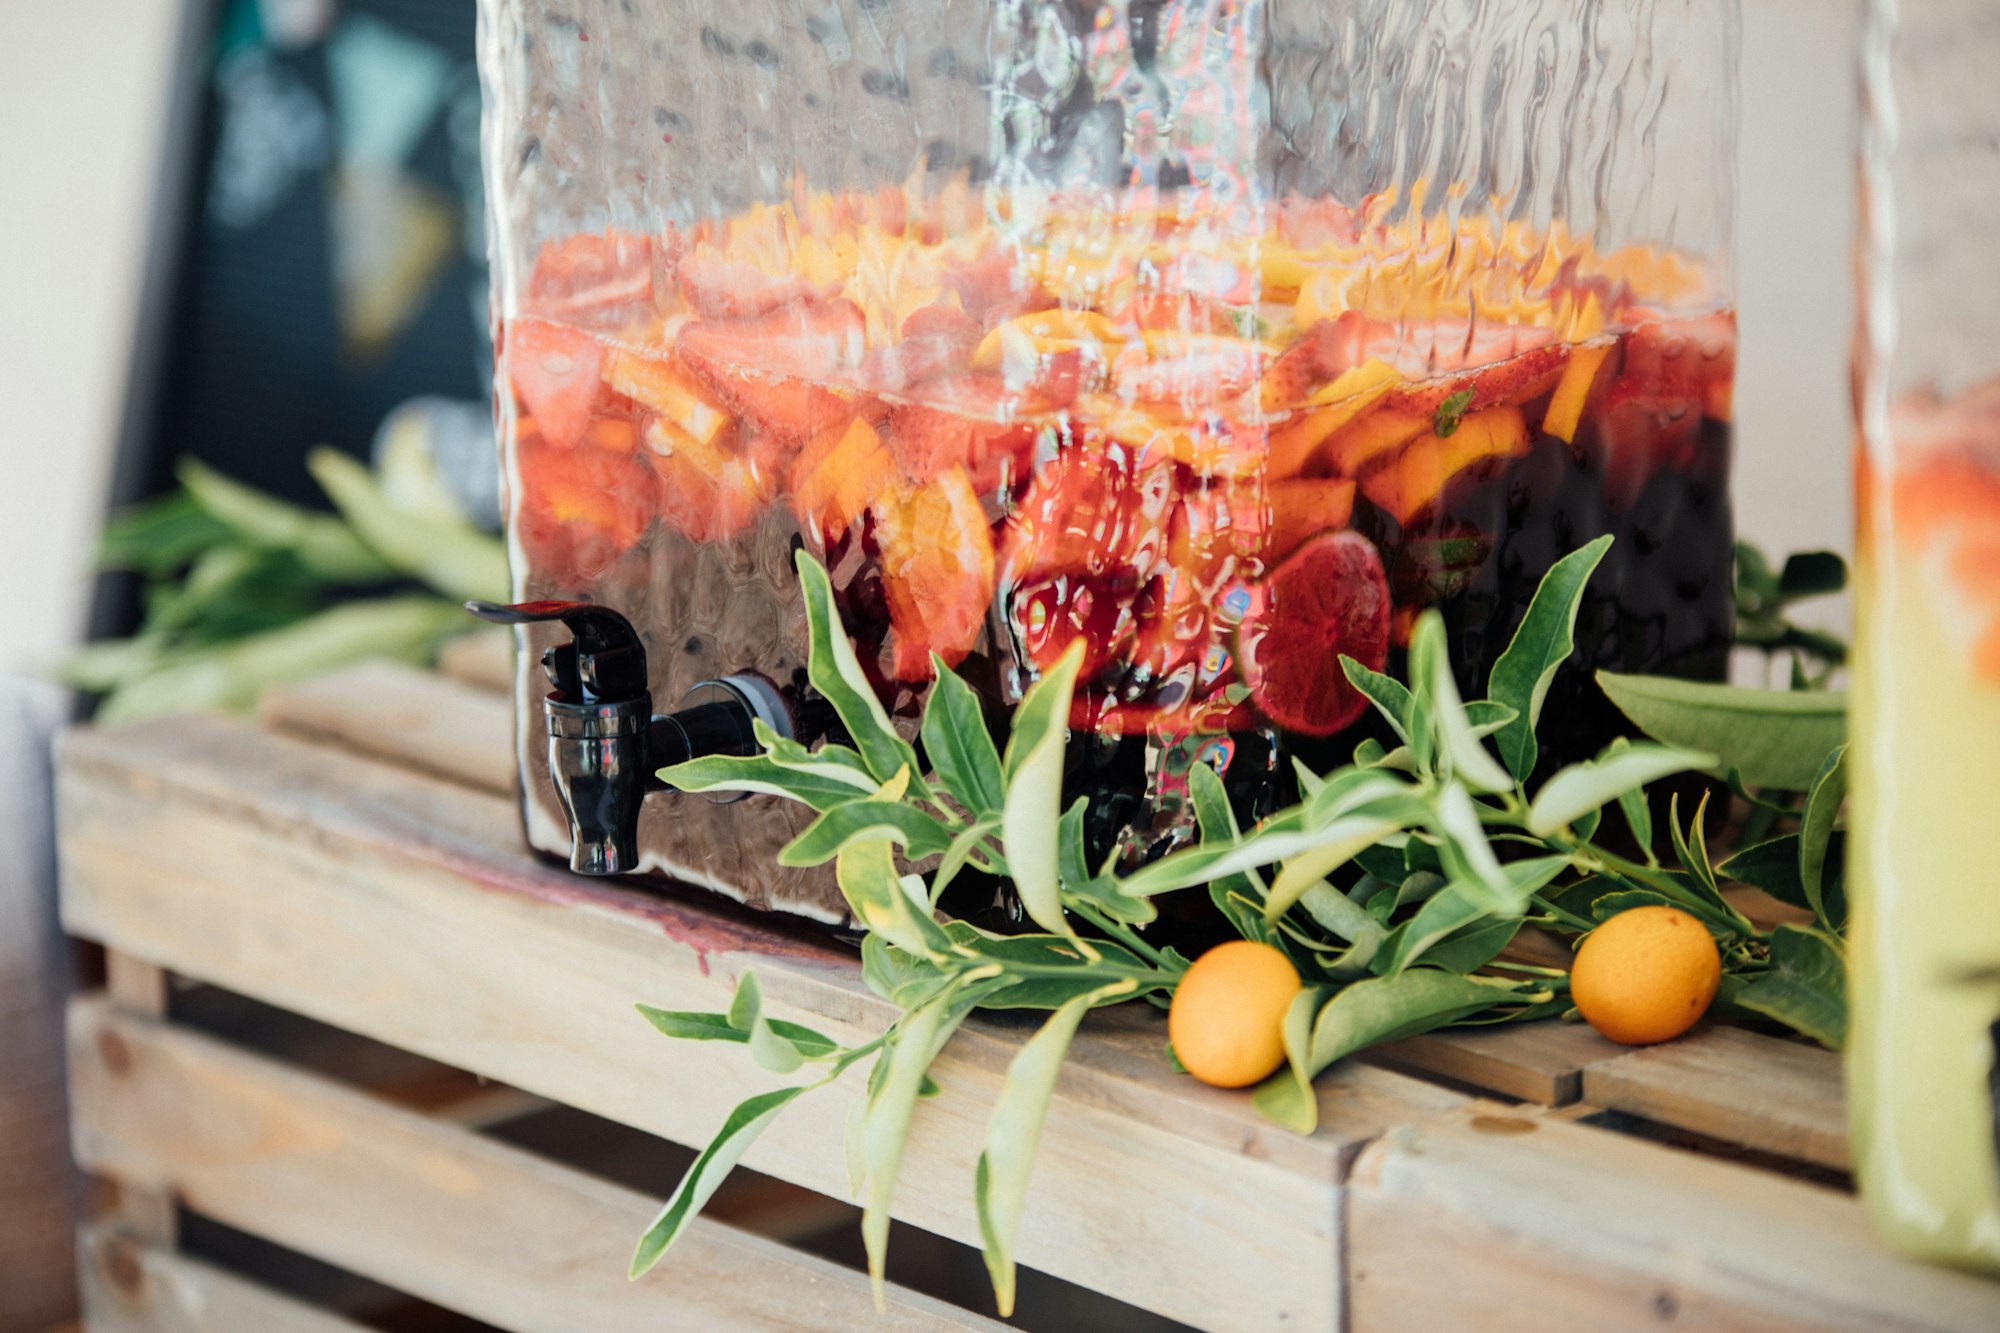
[
  {"x": 1794, "y": 484},
  {"x": 84, "y": 95}
]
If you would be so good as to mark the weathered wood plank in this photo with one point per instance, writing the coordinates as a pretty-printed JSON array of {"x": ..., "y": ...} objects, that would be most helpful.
[
  {"x": 424, "y": 1206},
  {"x": 484, "y": 658},
  {"x": 131, "y": 1287},
  {"x": 1536, "y": 1062},
  {"x": 421, "y": 721},
  {"x": 403, "y": 909},
  {"x": 1502, "y": 1219},
  {"x": 1775, "y": 1096}
]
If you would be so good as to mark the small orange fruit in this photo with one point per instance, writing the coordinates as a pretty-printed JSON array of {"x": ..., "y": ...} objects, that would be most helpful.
[
  {"x": 1645, "y": 975},
  {"x": 1227, "y": 1019}
]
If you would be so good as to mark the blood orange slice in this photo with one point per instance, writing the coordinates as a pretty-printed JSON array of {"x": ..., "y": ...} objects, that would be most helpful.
[{"x": 1328, "y": 598}]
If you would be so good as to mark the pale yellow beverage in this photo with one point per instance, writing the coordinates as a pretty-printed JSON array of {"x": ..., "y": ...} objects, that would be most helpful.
[{"x": 1924, "y": 945}]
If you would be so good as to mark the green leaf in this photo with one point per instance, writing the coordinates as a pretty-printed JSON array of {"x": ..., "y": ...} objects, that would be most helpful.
[
  {"x": 444, "y": 551},
  {"x": 823, "y": 790},
  {"x": 1390, "y": 697},
  {"x": 1262, "y": 846},
  {"x": 1445, "y": 422},
  {"x": 1461, "y": 904},
  {"x": 1286, "y": 1098},
  {"x": 159, "y": 536},
  {"x": 918, "y": 1037},
  {"x": 1072, "y": 865},
  {"x": 324, "y": 544},
  {"x": 406, "y": 629},
  {"x": 866, "y": 871},
  {"x": 1238, "y": 897},
  {"x": 1523, "y": 673},
  {"x": 1775, "y": 738},
  {"x": 1466, "y": 855},
  {"x": 747, "y": 1004},
  {"x": 1488, "y": 717},
  {"x": 684, "y": 1026},
  {"x": 1829, "y": 789},
  {"x": 1582, "y": 788},
  {"x": 837, "y": 762},
  {"x": 1473, "y": 947},
  {"x": 963, "y": 844},
  {"x": 1692, "y": 847},
  {"x": 723, "y": 1152},
  {"x": 1469, "y": 760},
  {"x": 1033, "y": 773},
  {"x": 836, "y": 673},
  {"x": 1805, "y": 987},
  {"x": 920, "y": 833},
  {"x": 1811, "y": 574},
  {"x": 1772, "y": 866},
  {"x": 1603, "y": 908},
  {"x": 1000, "y": 1184},
  {"x": 959, "y": 745}
]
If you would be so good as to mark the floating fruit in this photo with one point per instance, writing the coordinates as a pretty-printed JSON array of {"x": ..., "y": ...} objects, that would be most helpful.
[
  {"x": 937, "y": 570},
  {"x": 1227, "y": 1017},
  {"x": 555, "y": 372},
  {"x": 1646, "y": 975},
  {"x": 1411, "y": 483},
  {"x": 1327, "y": 599}
]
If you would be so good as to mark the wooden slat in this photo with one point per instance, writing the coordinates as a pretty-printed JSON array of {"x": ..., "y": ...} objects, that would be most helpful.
[
  {"x": 131, "y": 1287},
  {"x": 1766, "y": 1093},
  {"x": 403, "y": 909},
  {"x": 484, "y": 658},
  {"x": 1536, "y": 1062},
  {"x": 1501, "y": 1219},
  {"x": 421, "y": 721},
  {"x": 425, "y": 1207}
]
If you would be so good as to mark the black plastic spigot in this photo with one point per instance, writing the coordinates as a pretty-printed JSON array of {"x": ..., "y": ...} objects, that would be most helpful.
[{"x": 606, "y": 744}]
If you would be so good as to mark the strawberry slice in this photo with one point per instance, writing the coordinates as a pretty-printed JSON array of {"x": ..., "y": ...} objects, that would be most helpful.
[
  {"x": 936, "y": 338},
  {"x": 937, "y": 571},
  {"x": 764, "y": 366},
  {"x": 708, "y": 492},
  {"x": 1327, "y": 349},
  {"x": 1329, "y": 598},
  {"x": 555, "y": 372},
  {"x": 1516, "y": 380},
  {"x": 601, "y": 281},
  {"x": 1683, "y": 358},
  {"x": 1093, "y": 515},
  {"x": 580, "y": 509},
  {"x": 927, "y": 441},
  {"x": 811, "y": 340},
  {"x": 992, "y": 288},
  {"x": 726, "y": 289}
]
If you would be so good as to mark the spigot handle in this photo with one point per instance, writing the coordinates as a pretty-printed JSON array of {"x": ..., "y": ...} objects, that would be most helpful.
[{"x": 606, "y": 663}]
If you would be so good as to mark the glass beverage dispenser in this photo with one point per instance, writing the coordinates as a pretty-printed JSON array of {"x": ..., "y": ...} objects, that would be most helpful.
[
  {"x": 1924, "y": 946},
  {"x": 1221, "y": 335}
]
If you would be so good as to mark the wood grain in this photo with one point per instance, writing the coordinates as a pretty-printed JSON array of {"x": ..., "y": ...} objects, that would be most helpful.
[
  {"x": 1499, "y": 1219},
  {"x": 426, "y": 1207},
  {"x": 1766, "y": 1093},
  {"x": 129, "y": 1286},
  {"x": 1540, "y": 1062},
  {"x": 484, "y": 658},
  {"x": 424, "y": 722},
  {"x": 401, "y": 908}
]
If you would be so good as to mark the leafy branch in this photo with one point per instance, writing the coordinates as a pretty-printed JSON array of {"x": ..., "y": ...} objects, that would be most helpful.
[{"x": 1394, "y": 884}]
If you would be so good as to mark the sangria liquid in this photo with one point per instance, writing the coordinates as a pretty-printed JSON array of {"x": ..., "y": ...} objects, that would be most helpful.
[
  {"x": 1924, "y": 944},
  {"x": 1220, "y": 462}
]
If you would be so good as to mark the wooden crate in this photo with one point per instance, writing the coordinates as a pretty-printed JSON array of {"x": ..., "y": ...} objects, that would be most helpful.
[{"x": 354, "y": 858}]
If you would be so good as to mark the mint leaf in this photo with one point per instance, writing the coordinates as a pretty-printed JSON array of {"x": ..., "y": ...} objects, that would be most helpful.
[{"x": 1450, "y": 413}]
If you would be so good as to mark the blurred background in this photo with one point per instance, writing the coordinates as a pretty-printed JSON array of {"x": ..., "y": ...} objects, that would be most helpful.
[{"x": 237, "y": 229}]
